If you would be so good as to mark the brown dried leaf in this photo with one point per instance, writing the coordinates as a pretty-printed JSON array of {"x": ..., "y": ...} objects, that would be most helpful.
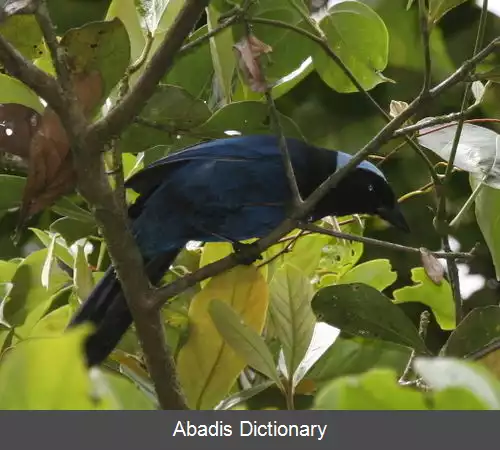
[
  {"x": 433, "y": 268},
  {"x": 18, "y": 124},
  {"x": 248, "y": 51},
  {"x": 50, "y": 171}
]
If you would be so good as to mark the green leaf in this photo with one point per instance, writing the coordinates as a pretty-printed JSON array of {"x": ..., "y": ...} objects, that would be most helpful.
[
  {"x": 29, "y": 299},
  {"x": 488, "y": 219},
  {"x": 171, "y": 108},
  {"x": 246, "y": 118},
  {"x": 47, "y": 374},
  {"x": 126, "y": 11},
  {"x": 438, "y": 8},
  {"x": 437, "y": 297},
  {"x": 13, "y": 91},
  {"x": 197, "y": 61},
  {"x": 363, "y": 311},
  {"x": 377, "y": 389},
  {"x": 68, "y": 208},
  {"x": 340, "y": 256},
  {"x": 213, "y": 251},
  {"x": 23, "y": 32},
  {"x": 360, "y": 39},
  {"x": 221, "y": 48},
  {"x": 242, "y": 396},
  {"x": 58, "y": 248},
  {"x": 355, "y": 356},
  {"x": 122, "y": 394},
  {"x": 101, "y": 46},
  {"x": 376, "y": 273},
  {"x": 53, "y": 324},
  {"x": 457, "y": 399},
  {"x": 291, "y": 314},
  {"x": 160, "y": 15},
  {"x": 307, "y": 253},
  {"x": 82, "y": 275},
  {"x": 475, "y": 331},
  {"x": 7, "y": 270},
  {"x": 11, "y": 190},
  {"x": 290, "y": 50},
  {"x": 442, "y": 373},
  {"x": 243, "y": 339},
  {"x": 72, "y": 230}
]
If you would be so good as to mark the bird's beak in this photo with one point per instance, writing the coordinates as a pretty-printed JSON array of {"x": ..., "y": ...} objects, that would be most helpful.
[{"x": 395, "y": 217}]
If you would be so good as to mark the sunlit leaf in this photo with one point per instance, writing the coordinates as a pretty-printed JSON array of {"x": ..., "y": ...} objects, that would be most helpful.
[
  {"x": 438, "y": 8},
  {"x": 438, "y": 298},
  {"x": 291, "y": 314},
  {"x": 207, "y": 366},
  {"x": 377, "y": 273},
  {"x": 360, "y": 39},
  {"x": 442, "y": 373},
  {"x": 243, "y": 339},
  {"x": 47, "y": 374}
]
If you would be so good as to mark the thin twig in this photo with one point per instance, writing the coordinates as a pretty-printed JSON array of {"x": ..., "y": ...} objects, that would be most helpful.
[
  {"x": 217, "y": 267},
  {"x": 423, "y": 14},
  {"x": 441, "y": 221},
  {"x": 440, "y": 120},
  {"x": 57, "y": 53},
  {"x": 389, "y": 245},
  {"x": 322, "y": 41},
  {"x": 425, "y": 319},
  {"x": 275, "y": 120}
]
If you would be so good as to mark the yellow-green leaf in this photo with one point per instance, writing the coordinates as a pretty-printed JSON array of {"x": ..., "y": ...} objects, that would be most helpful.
[
  {"x": 207, "y": 366},
  {"x": 376, "y": 273},
  {"x": 245, "y": 341},
  {"x": 438, "y": 298},
  {"x": 47, "y": 374},
  {"x": 291, "y": 314}
]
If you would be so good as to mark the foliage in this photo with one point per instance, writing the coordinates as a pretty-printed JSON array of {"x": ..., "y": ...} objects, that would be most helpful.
[{"x": 331, "y": 324}]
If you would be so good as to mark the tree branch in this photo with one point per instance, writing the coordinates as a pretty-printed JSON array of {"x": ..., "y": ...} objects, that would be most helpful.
[
  {"x": 39, "y": 81},
  {"x": 124, "y": 112},
  {"x": 217, "y": 267},
  {"x": 320, "y": 39},
  {"x": 441, "y": 222},
  {"x": 389, "y": 245}
]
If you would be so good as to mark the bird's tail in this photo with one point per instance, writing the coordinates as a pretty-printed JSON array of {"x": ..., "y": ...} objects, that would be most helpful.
[{"x": 106, "y": 308}]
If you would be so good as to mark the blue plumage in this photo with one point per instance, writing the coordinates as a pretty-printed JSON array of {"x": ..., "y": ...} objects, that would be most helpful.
[{"x": 228, "y": 189}]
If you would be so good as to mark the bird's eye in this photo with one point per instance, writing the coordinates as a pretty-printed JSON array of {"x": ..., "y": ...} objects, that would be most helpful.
[{"x": 370, "y": 187}]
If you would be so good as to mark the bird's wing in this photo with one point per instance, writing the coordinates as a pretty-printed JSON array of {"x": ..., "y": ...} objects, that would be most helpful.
[{"x": 236, "y": 149}]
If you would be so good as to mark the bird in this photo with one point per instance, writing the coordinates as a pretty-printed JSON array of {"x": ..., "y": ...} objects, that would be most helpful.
[{"x": 228, "y": 189}]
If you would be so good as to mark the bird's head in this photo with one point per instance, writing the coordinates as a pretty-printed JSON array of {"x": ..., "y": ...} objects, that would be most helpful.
[{"x": 365, "y": 190}]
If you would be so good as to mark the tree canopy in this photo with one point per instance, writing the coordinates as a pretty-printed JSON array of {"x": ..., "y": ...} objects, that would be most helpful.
[{"x": 347, "y": 313}]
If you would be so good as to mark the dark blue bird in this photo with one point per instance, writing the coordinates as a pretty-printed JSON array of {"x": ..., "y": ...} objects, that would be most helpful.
[{"x": 228, "y": 189}]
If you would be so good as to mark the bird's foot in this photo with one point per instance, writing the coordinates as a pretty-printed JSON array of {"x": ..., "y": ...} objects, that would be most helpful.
[{"x": 246, "y": 254}]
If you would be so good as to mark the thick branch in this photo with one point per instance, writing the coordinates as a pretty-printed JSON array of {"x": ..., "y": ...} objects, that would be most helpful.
[
  {"x": 38, "y": 80},
  {"x": 124, "y": 112}
]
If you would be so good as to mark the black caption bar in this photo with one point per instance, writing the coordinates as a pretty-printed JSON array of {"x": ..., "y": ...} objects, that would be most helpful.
[{"x": 172, "y": 430}]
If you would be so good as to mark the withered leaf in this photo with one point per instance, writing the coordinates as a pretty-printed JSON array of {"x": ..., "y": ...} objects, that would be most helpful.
[
  {"x": 50, "y": 168},
  {"x": 18, "y": 124},
  {"x": 433, "y": 268},
  {"x": 248, "y": 51}
]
